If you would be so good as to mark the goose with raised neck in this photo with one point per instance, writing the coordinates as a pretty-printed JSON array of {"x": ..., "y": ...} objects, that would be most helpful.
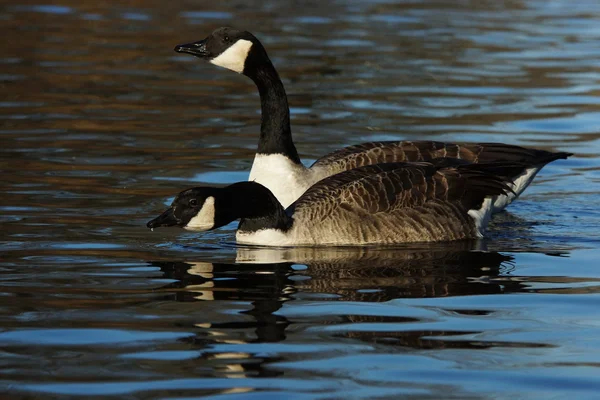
[{"x": 277, "y": 164}]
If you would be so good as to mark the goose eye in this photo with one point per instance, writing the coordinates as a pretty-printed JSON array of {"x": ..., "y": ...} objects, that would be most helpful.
[
  {"x": 193, "y": 202},
  {"x": 226, "y": 38}
]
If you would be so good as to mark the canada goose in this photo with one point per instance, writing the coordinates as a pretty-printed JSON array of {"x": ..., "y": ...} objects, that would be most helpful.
[
  {"x": 277, "y": 164},
  {"x": 375, "y": 204}
]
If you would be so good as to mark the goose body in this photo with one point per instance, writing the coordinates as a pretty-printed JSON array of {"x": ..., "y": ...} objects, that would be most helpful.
[
  {"x": 377, "y": 204},
  {"x": 277, "y": 165}
]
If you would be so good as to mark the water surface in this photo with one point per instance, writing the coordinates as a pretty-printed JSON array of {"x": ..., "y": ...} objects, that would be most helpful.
[{"x": 102, "y": 124}]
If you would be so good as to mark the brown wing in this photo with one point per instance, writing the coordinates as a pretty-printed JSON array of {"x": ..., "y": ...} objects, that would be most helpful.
[
  {"x": 385, "y": 187},
  {"x": 409, "y": 151},
  {"x": 395, "y": 203}
]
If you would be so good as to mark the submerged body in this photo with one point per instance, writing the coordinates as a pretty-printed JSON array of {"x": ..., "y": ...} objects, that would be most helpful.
[
  {"x": 378, "y": 204},
  {"x": 277, "y": 165}
]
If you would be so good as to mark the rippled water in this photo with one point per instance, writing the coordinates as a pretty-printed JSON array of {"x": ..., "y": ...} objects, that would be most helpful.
[{"x": 102, "y": 123}]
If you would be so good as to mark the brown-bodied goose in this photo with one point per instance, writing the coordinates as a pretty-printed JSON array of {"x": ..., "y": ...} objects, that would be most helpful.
[
  {"x": 277, "y": 164},
  {"x": 376, "y": 204}
]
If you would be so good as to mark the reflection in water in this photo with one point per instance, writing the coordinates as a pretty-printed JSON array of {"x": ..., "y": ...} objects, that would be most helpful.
[
  {"x": 341, "y": 274},
  {"x": 268, "y": 278}
]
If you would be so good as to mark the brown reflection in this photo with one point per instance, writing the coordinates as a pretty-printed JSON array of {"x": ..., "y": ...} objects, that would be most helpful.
[
  {"x": 269, "y": 277},
  {"x": 352, "y": 274}
]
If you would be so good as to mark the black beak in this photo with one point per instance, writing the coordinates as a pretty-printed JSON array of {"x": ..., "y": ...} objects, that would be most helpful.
[
  {"x": 197, "y": 49},
  {"x": 165, "y": 219}
]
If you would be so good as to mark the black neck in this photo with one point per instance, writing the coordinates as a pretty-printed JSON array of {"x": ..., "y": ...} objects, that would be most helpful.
[
  {"x": 275, "y": 132},
  {"x": 254, "y": 204}
]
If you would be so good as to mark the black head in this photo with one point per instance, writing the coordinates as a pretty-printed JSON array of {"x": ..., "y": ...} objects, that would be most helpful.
[
  {"x": 226, "y": 47},
  {"x": 206, "y": 208},
  {"x": 192, "y": 209}
]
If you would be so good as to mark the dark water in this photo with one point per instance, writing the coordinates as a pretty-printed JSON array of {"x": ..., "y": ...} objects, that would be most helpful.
[{"x": 102, "y": 123}]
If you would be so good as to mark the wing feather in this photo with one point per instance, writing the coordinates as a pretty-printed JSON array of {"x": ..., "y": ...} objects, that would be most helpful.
[
  {"x": 410, "y": 151},
  {"x": 421, "y": 201}
]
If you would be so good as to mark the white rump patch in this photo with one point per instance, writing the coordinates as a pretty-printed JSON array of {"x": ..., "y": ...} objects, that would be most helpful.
[
  {"x": 205, "y": 219},
  {"x": 234, "y": 57},
  {"x": 482, "y": 216},
  {"x": 518, "y": 186},
  {"x": 283, "y": 177}
]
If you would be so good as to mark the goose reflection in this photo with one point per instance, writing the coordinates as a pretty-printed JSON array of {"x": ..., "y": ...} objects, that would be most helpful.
[
  {"x": 381, "y": 274},
  {"x": 256, "y": 273},
  {"x": 352, "y": 274},
  {"x": 267, "y": 278}
]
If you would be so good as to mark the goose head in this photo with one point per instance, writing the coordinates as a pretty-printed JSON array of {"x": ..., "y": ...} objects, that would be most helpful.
[
  {"x": 193, "y": 209},
  {"x": 205, "y": 208},
  {"x": 229, "y": 48}
]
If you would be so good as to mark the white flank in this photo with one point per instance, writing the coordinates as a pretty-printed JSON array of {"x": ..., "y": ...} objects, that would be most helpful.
[
  {"x": 286, "y": 179},
  {"x": 264, "y": 237},
  {"x": 205, "y": 219},
  {"x": 518, "y": 185},
  {"x": 234, "y": 57},
  {"x": 482, "y": 216}
]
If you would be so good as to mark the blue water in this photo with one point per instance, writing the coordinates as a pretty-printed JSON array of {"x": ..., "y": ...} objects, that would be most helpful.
[{"x": 102, "y": 124}]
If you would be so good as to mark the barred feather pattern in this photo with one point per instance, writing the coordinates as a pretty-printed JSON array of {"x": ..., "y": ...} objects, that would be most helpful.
[
  {"x": 394, "y": 203},
  {"x": 408, "y": 151},
  {"x": 528, "y": 161}
]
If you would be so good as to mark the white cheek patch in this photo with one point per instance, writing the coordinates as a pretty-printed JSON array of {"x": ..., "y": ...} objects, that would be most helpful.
[
  {"x": 205, "y": 219},
  {"x": 234, "y": 57}
]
